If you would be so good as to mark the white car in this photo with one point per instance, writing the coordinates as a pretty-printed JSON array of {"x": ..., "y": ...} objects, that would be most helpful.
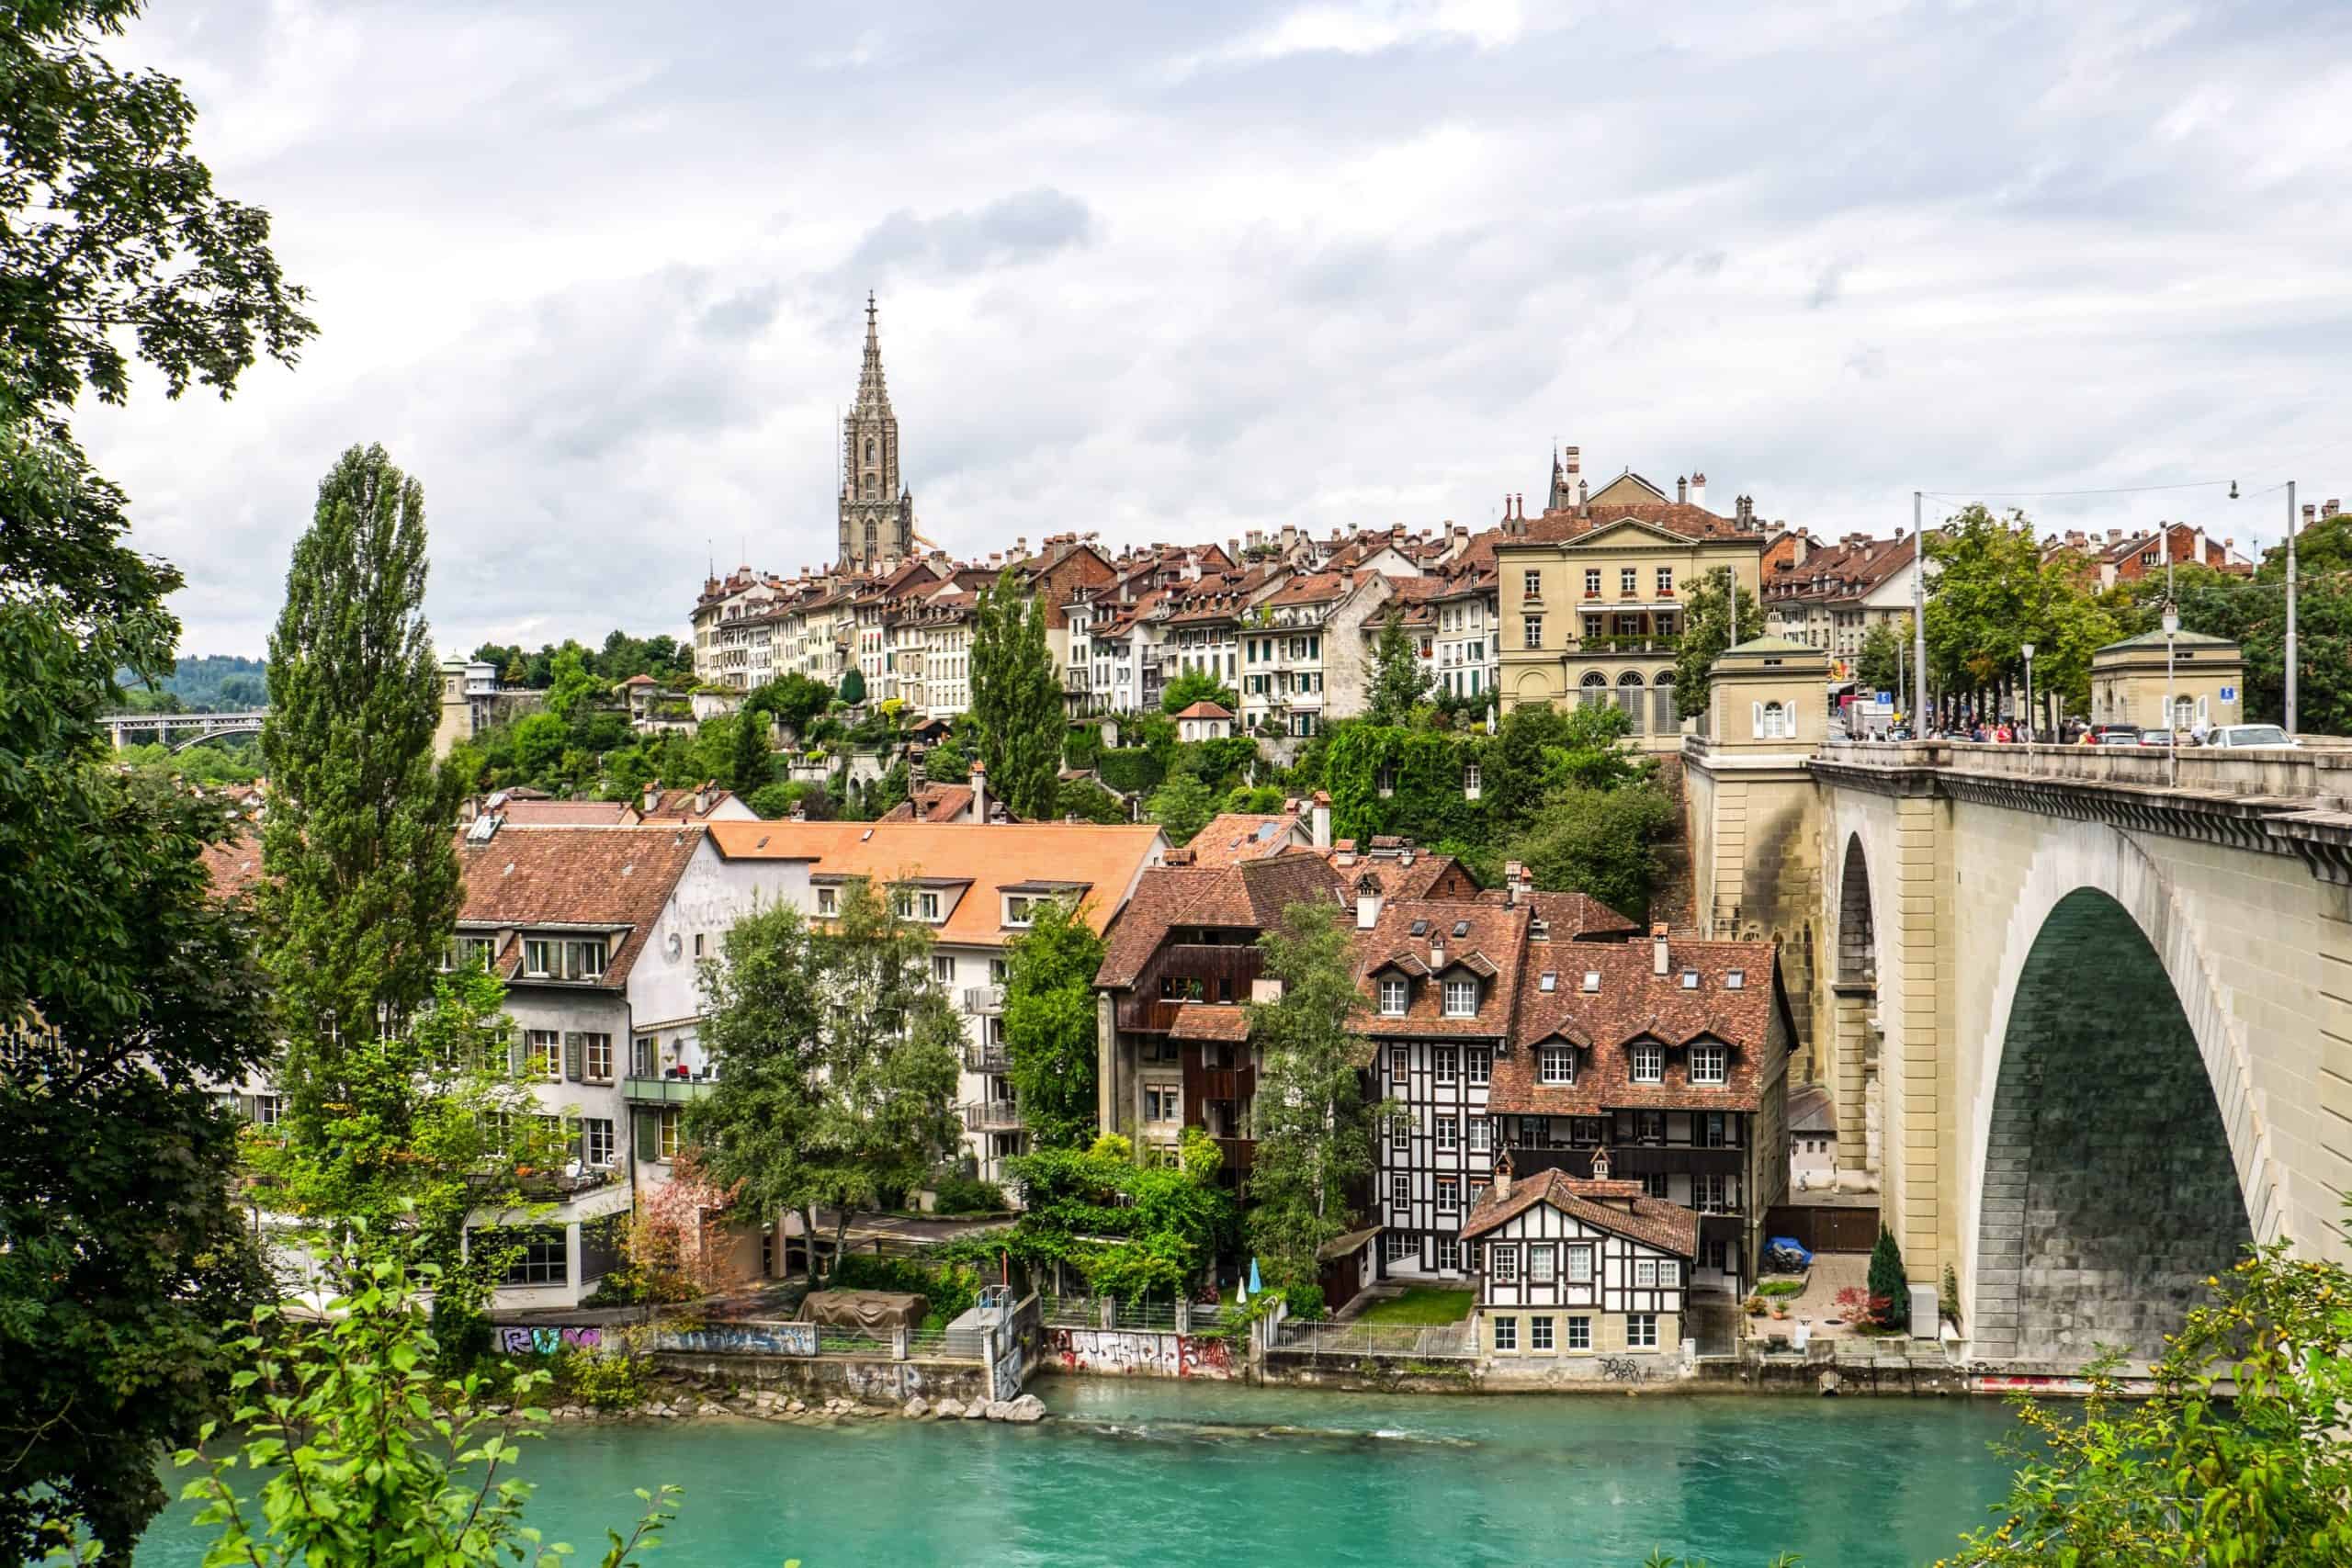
[{"x": 2240, "y": 735}]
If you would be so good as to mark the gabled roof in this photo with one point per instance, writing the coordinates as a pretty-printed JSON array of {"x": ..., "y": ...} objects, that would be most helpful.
[
  {"x": 233, "y": 865},
  {"x": 1604, "y": 1205},
  {"x": 1678, "y": 520},
  {"x": 1249, "y": 896},
  {"x": 522, "y": 877},
  {"x": 1206, "y": 709},
  {"x": 1233, "y": 837},
  {"x": 1429, "y": 937}
]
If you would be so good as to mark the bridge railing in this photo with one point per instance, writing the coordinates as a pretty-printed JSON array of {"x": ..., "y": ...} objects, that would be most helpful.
[{"x": 2311, "y": 771}]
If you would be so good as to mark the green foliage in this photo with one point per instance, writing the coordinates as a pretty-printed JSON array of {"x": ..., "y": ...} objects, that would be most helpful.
[
  {"x": 1314, "y": 1122},
  {"x": 967, "y": 1195},
  {"x": 749, "y": 764},
  {"x": 853, "y": 690},
  {"x": 948, "y": 1288},
  {"x": 1601, "y": 843},
  {"x": 1181, "y": 807},
  {"x": 1399, "y": 685},
  {"x": 1050, "y": 1024},
  {"x": 792, "y": 699},
  {"x": 1884, "y": 663},
  {"x": 838, "y": 1056},
  {"x": 1708, "y": 623},
  {"x": 361, "y": 890},
  {"x": 1132, "y": 770},
  {"x": 212, "y": 684},
  {"x": 2239, "y": 1455},
  {"x": 1306, "y": 1302},
  {"x": 947, "y": 763},
  {"x": 214, "y": 763},
  {"x": 1423, "y": 769},
  {"x": 1130, "y": 1231},
  {"x": 1261, "y": 800},
  {"x": 1888, "y": 1280},
  {"x": 1081, "y": 745},
  {"x": 1089, "y": 802},
  {"x": 2251, "y": 614},
  {"x": 775, "y": 801},
  {"x": 366, "y": 1457},
  {"x": 1197, "y": 686},
  {"x": 1994, "y": 593},
  {"x": 1218, "y": 763},
  {"x": 571, "y": 685},
  {"x": 538, "y": 741},
  {"x": 1017, "y": 699}
]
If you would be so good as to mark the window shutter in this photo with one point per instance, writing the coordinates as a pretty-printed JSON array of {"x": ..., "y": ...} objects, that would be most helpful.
[
  {"x": 571, "y": 1062},
  {"x": 645, "y": 1135},
  {"x": 514, "y": 1056},
  {"x": 1756, "y": 720},
  {"x": 1793, "y": 721}
]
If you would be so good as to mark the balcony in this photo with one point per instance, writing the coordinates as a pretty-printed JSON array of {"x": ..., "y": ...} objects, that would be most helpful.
[
  {"x": 984, "y": 998},
  {"x": 985, "y": 1059},
  {"x": 665, "y": 1090},
  {"x": 1638, "y": 643},
  {"x": 991, "y": 1116}
]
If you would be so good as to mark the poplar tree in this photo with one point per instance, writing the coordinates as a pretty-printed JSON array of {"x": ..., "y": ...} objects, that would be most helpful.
[
  {"x": 361, "y": 873},
  {"x": 1399, "y": 685},
  {"x": 1016, "y": 700},
  {"x": 1050, "y": 1027}
]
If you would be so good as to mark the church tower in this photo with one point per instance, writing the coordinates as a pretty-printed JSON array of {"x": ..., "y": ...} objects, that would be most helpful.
[{"x": 877, "y": 512}]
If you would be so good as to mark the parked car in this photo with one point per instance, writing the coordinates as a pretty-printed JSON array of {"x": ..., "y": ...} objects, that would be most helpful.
[
  {"x": 2241, "y": 736},
  {"x": 2156, "y": 738},
  {"x": 2115, "y": 735}
]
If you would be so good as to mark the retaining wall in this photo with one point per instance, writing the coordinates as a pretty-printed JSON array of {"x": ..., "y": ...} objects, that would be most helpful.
[
  {"x": 871, "y": 1380},
  {"x": 1140, "y": 1352}
]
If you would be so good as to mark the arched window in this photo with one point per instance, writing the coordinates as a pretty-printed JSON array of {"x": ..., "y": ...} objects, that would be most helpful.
[
  {"x": 1593, "y": 688},
  {"x": 869, "y": 448},
  {"x": 1630, "y": 698},
  {"x": 1666, "y": 720},
  {"x": 1771, "y": 721}
]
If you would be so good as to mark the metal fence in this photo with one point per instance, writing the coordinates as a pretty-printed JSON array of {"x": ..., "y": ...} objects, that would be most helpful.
[
  {"x": 1421, "y": 1342},
  {"x": 1108, "y": 1312}
]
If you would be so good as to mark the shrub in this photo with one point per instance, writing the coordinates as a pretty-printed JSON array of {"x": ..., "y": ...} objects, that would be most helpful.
[
  {"x": 1131, "y": 770},
  {"x": 1853, "y": 1304},
  {"x": 1303, "y": 1302},
  {"x": 966, "y": 1195},
  {"x": 949, "y": 1290},
  {"x": 614, "y": 1380}
]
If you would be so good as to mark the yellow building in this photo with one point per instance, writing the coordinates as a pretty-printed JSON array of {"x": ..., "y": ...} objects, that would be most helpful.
[
  {"x": 2208, "y": 682},
  {"x": 1592, "y": 597}
]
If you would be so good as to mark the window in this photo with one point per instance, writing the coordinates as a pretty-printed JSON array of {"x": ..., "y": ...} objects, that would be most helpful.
[
  {"x": 1717, "y": 1131},
  {"x": 1627, "y": 579},
  {"x": 543, "y": 1261},
  {"x": 1398, "y": 1056},
  {"x": 1400, "y": 1131},
  {"x": 1482, "y": 1136},
  {"x": 1482, "y": 1065},
  {"x": 595, "y": 1065},
  {"x": 1531, "y": 585},
  {"x": 543, "y": 1055},
  {"x": 1507, "y": 1336},
  {"x": 1449, "y": 1134},
  {"x": 1579, "y": 1334},
  {"x": 1542, "y": 1259},
  {"x": 1449, "y": 1195},
  {"x": 1400, "y": 1190},
  {"x": 667, "y": 1143},
  {"x": 1655, "y": 1184},
  {"x": 1715, "y": 1255},
  {"x": 1665, "y": 582},
  {"x": 268, "y": 1108},
  {"x": 547, "y": 958},
  {"x": 1772, "y": 722},
  {"x": 1649, "y": 1126},
  {"x": 1020, "y": 909},
  {"x": 1649, "y": 1062},
  {"x": 1591, "y": 980},
  {"x": 1710, "y": 1194},
  {"x": 1645, "y": 1273},
  {"x": 1394, "y": 1244},
  {"x": 1539, "y": 1334},
  {"x": 1690, "y": 979},
  {"x": 698, "y": 944},
  {"x": 598, "y": 1144},
  {"x": 828, "y": 901},
  {"x": 1548, "y": 981},
  {"x": 1555, "y": 1065},
  {"x": 538, "y": 955},
  {"x": 1442, "y": 1060},
  {"x": 1449, "y": 1253},
  {"x": 641, "y": 1052},
  {"x": 468, "y": 953},
  {"x": 942, "y": 968},
  {"x": 1735, "y": 979},
  {"x": 1580, "y": 1263},
  {"x": 1461, "y": 999},
  {"x": 1503, "y": 1262},
  {"x": 1162, "y": 1103},
  {"x": 1392, "y": 1000},
  {"x": 1641, "y": 1331},
  {"x": 1534, "y": 631},
  {"x": 1592, "y": 582},
  {"x": 1472, "y": 781},
  {"x": 1707, "y": 1063}
]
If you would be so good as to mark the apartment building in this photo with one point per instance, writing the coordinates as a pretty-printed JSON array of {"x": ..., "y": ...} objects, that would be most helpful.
[
  {"x": 1570, "y": 1270},
  {"x": 1306, "y": 659},
  {"x": 1831, "y": 598}
]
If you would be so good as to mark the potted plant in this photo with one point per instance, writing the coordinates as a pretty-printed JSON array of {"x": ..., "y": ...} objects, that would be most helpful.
[{"x": 1756, "y": 1306}]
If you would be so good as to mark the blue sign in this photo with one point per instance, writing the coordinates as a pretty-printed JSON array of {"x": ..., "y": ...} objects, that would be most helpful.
[
  {"x": 1887, "y": 698},
  {"x": 2229, "y": 693}
]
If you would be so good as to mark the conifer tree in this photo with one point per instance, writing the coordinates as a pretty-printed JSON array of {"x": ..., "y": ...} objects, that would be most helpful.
[
  {"x": 361, "y": 886},
  {"x": 1888, "y": 1282},
  {"x": 751, "y": 767}
]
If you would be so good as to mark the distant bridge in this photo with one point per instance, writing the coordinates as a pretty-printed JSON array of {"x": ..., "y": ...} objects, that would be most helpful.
[{"x": 192, "y": 728}]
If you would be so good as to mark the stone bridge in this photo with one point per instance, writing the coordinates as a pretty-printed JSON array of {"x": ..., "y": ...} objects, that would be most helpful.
[{"x": 2085, "y": 1012}]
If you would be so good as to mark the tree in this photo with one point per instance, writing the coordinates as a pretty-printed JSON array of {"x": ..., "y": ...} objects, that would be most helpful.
[
  {"x": 1017, "y": 699},
  {"x": 1599, "y": 842},
  {"x": 1709, "y": 604},
  {"x": 1089, "y": 802},
  {"x": 1128, "y": 1230},
  {"x": 838, "y": 1056},
  {"x": 1197, "y": 686},
  {"x": 1517, "y": 771},
  {"x": 115, "y": 230},
  {"x": 1181, "y": 807},
  {"x": 1888, "y": 1283},
  {"x": 1994, "y": 593},
  {"x": 2238, "y": 1454},
  {"x": 1314, "y": 1124},
  {"x": 853, "y": 692},
  {"x": 370, "y": 1457},
  {"x": 1050, "y": 1024},
  {"x": 947, "y": 763},
  {"x": 1593, "y": 752},
  {"x": 571, "y": 684},
  {"x": 2251, "y": 614},
  {"x": 1884, "y": 662},
  {"x": 749, "y": 764},
  {"x": 793, "y": 699},
  {"x": 1399, "y": 685},
  {"x": 361, "y": 890},
  {"x": 538, "y": 741}
]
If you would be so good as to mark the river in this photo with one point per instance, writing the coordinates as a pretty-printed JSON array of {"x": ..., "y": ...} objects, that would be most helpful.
[{"x": 1134, "y": 1471}]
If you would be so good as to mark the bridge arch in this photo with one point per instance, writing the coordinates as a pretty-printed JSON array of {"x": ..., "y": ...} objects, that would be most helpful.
[
  {"x": 198, "y": 738},
  {"x": 2119, "y": 1155},
  {"x": 1851, "y": 1060}
]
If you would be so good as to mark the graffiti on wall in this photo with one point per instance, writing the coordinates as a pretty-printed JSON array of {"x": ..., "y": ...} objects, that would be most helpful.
[
  {"x": 1124, "y": 1352},
  {"x": 547, "y": 1341},
  {"x": 742, "y": 1340}
]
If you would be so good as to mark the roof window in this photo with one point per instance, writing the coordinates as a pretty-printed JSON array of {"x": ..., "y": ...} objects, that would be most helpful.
[
  {"x": 1690, "y": 979},
  {"x": 1593, "y": 979},
  {"x": 1460, "y": 928},
  {"x": 1420, "y": 927},
  {"x": 1551, "y": 979},
  {"x": 1735, "y": 979}
]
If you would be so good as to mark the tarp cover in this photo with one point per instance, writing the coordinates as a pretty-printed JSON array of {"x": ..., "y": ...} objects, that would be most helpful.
[
  {"x": 1795, "y": 1248},
  {"x": 873, "y": 1311}
]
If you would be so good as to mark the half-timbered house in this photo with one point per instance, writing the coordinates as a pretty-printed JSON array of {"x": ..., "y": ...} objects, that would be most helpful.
[{"x": 1571, "y": 1269}]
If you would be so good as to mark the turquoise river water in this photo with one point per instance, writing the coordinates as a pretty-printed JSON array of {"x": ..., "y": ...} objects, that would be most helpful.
[{"x": 1133, "y": 1472}]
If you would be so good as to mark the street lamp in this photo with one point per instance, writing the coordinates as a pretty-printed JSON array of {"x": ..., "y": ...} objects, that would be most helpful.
[
  {"x": 2029, "y": 714},
  {"x": 2172, "y": 736}
]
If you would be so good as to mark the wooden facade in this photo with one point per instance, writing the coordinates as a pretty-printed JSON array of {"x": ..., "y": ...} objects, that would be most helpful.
[{"x": 1552, "y": 1282}]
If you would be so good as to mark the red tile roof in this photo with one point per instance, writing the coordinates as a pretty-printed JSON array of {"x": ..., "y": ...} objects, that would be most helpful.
[
  {"x": 1476, "y": 940},
  {"x": 1249, "y": 896},
  {"x": 1206, "y": 709},
  {"x": 1612, "y": 1206},
  {"x": 527, "y": 877},
  {"x": 1211, "y": 1021},
  {"x": 234, "y": 864},
  {"x": 1234, "y": 837}
]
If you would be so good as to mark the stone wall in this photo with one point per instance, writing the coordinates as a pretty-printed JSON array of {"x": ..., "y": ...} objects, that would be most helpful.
[
  {"x": 872, "y": 1382},
  {"x": 1145, "y": 1353}
]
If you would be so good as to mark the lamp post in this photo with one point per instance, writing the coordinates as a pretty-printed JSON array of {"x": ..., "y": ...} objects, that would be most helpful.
[
  {"x": 2030, "y": 714},
  {"x": 2172, "y": 738}
]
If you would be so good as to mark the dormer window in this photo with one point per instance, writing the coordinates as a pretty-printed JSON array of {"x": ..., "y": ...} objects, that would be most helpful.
[
  {"x": 1649, "y": 1062},
  {"x": 1461, "y": 999},
  {"x": 1709, "y": 1063},
  {"x": 550, "y": 958},
  {"x": 1020, "y": 909},
  {"x": 468, "y": 953},
  {"x": 1392, "y": 992},
  {"x": 1735, "y": 979},
  {"x": 1555, "y": 1065},
  {"x": 1690, "y": 979},
  {"x": 918, "y": 905},
  {"x": 1592, "y": 981}
]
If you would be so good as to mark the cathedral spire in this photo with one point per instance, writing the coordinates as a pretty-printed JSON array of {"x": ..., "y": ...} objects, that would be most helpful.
[
  {"x": 873, "y": 397},
  {"x": 876, "y": 507}
]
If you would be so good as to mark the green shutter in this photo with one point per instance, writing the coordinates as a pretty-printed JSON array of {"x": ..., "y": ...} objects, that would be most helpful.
[
  {"x": 571, "y": 1049},
  {"x": 645, "y": 1135}
]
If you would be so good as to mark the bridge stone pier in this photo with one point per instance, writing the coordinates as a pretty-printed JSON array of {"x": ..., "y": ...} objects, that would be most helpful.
[{"x": 2090, "y": 1029}]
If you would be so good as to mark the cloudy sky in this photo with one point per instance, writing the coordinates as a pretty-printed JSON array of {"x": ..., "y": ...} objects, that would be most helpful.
[{"x": 596, "y": 272}]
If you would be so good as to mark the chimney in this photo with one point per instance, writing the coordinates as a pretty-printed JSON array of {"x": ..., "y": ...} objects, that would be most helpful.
[
  {"x": 1657, "y": 949},
  {"x": 800, "y": 811},
  {"x": 1682, "y": 490},
  {"x": 1584, "y": 500},
  {"x": 1502, "y": 1162},
  {"x": 979, "y": 791},
  {"x": 2311, "y": 513},
  {"x": 1699, "y": 490},
  {"x": 1437, "y": 952},
  {"x": 702, "y": 798},
  {"x": 2329, "y": 507},
  {"x": 1800, "y": 545},
  {"x": 1367, "y": 901},
  {"x": 1600, "y": 1164},
  {"x": 1320, "y": 820},
  {"x": 1517, "y": 884},
  {"x": 652, "y": 797}
]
